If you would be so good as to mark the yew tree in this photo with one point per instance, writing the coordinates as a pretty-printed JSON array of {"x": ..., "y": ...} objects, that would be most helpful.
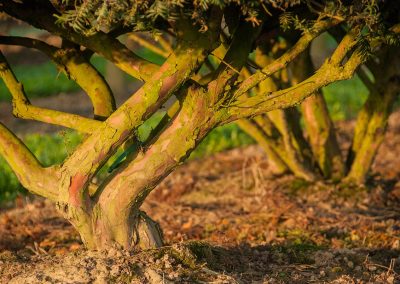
[{"x": 225, "y": 60}]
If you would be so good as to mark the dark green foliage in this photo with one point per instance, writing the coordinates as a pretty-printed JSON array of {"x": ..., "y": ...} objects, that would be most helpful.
[
  {"x": 94, "y": 15},
  {"x": 90, "y": 16}
]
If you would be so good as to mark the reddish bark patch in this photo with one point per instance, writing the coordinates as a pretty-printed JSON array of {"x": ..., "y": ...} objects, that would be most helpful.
[
  {"x": 125, "y": 134},
  {"x": 77, "y": 184},
  {"x": 167, "y": 84},
  {"x": 117, "y": 120},
  {"x": 102, "y": 155}
]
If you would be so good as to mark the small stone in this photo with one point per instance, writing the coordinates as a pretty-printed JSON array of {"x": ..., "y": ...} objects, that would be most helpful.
[
  {"x": 371, "y": 268},
  {"x": 350, "y": 264},
  {"x": 322, "y": 273}
]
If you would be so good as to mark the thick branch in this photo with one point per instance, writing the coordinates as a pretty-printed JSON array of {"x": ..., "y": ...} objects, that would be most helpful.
[
  {"x": 132, "y": 147},
  {"x": 290, "y": 143},
  {"x": 23, "y": 109},
  {"x": 380, "y": 108},
  {"x": 77, "y": 68},
  {"x": 233, "y": 61},
  {"x": 372, "y": 119},
  {"x": 28, "y": 169},
  {"x": 318, "y": 124},
  {"x": 130, "y": 185},
  {"x": 329, "y": 72},
  {"x": 83, "y": 164},
  {"x": 286, "y": 58},
  {"x": 149, "y": 45}
]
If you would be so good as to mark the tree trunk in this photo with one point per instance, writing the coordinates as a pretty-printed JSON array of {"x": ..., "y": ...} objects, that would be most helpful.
[
  {"x": 115, "y": 218},
  {"x": 371, "y": 125},
  {"x": 98, "y": 232},
  {"x": 282, "y": 138},
  {"x": 294, "y": 151},
  {"x": 318, "y": 124},
  {"x": 373, "y": 118}
]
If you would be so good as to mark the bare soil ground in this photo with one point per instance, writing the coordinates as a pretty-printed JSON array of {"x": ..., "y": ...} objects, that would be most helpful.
[{"x": 227, "y": 219}]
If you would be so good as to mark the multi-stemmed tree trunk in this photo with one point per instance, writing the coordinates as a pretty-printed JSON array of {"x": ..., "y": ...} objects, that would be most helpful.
[
  {"x": 263, "y": 101},
  {"x": 280, "y": 135}
]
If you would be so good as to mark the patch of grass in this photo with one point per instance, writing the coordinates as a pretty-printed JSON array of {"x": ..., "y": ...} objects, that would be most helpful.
[
  {"x": 222, "y": 138},
  {"x": 298, "y": 186},
  {"x": 39, "y": 81},
  {"x": 296, "y": 252},
  {"x": 345, "y": 98},
  {"x": 43, "y": 80}
]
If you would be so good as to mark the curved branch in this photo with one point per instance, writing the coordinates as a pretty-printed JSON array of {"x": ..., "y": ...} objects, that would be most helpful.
[
  {"x": 149, "y": 45},
  {"x": 124, "y": 193},
  {"x": 27, "y": 168},
  {"x": 280, "y": 63},
  {"x": 22, "y": 108},
  {"x": 77, "y": 68},
  {"x": 329, "y": 72}
]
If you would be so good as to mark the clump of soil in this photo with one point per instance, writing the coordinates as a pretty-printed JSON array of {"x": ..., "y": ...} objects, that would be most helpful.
[{"x": 254, "y": 228}]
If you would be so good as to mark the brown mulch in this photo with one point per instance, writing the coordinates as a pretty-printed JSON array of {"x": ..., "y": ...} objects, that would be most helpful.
[{"x": 257, "y": 228}]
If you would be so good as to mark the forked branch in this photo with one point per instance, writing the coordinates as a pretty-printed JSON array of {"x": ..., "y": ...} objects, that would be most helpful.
[
  {"x": 332, "y": 70},
  {"x": 30, "y": 173},
  {"x": 282, "y": 62},
  {"x": 121, "y": 125}
]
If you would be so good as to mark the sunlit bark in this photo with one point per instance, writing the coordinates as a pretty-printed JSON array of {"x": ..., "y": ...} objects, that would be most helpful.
[{"x": 108, "y": 213}]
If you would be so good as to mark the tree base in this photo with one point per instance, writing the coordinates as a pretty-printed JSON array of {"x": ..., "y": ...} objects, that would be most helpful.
[{"x": 149, "y": 234}]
